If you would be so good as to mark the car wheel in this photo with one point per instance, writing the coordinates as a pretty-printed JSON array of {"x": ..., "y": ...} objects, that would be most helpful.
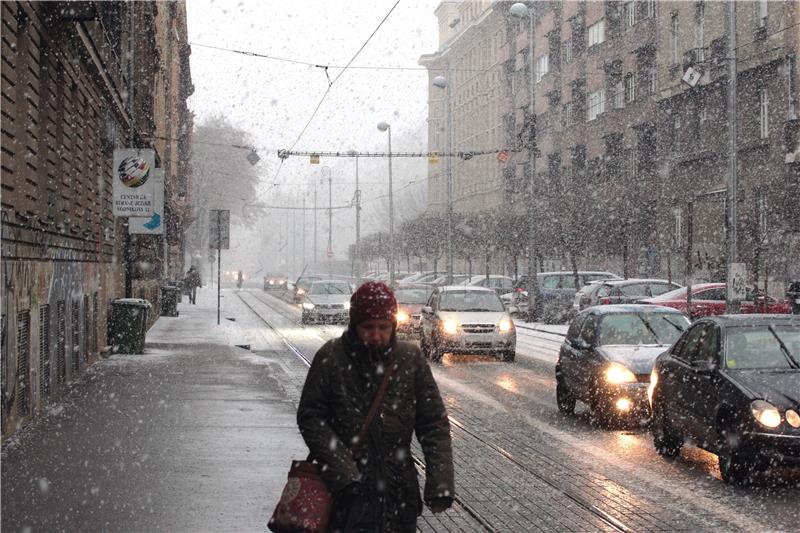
[
  {"x": 564, "y": 398},
  {"x": 735, "y": 465},
  {"x": 666, "y": 439},
  {"x": 435, "y": 352},
  {"x": 509, "y": 356},
  {"x": 304, "y": 318}
]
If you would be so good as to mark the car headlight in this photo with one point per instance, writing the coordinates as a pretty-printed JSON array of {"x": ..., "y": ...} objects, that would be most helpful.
[
  {"x": 505, "y": 325},
  {"x": 450, "y": 327},
  {"x": 652, "y": 387},
  {"x": 301, "y": 291},
  {"x": 765, "y": 413},
  {"x": 402, "y": 316},
  {"x": 617, "y": 373},
  {"x": 347, "y": 305},
  {"x": 793, "y": 418},
  {"x": 308, "y": 305}
]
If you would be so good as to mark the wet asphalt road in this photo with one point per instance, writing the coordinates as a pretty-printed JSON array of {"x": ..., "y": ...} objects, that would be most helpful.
[{"x": 204, "y": 466}]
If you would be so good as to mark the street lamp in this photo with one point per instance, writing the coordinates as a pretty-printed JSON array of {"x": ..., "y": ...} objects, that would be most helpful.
[
  {"x": 384, "y": 126},
  {"x": 441, "y": 83},
  {"x": 520, "y": 10}
]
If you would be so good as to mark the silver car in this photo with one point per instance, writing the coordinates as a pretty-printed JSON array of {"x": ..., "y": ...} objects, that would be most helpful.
[
  {"x": 328, "y": 301},
  {"x": 467, "y": 320}
]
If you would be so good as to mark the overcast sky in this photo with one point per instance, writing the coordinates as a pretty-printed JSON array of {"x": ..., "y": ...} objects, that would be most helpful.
[{"x": 273, "y": 100}]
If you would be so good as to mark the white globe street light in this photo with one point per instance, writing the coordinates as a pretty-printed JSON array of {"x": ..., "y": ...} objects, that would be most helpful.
[
  {"x": 441, "y": 83},
  {"x": 385, "y": 126},
  {"x": 519, "y": 10}
]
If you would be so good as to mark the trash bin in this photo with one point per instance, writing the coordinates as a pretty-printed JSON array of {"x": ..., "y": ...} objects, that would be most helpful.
[
  {"x": 793, "y": 295},
  {"x": 169, "y": 300},
  {"x": 129, "y": 324}
]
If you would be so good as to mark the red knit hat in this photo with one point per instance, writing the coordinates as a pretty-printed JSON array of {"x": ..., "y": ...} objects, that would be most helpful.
[{"x": 373, "y": 300}]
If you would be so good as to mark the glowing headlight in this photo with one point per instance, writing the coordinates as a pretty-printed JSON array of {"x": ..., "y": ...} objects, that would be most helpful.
[
  {"x": 765, "y": 413},
  {"x": 450, "y": 327},
  {"x": 402, "y": 316},
  {"x": 652, "y": 387},
  {"x": 505, "y": 325},
  {"x": 301, "y": 291},
  {"x": 271, "y": 282},
  {"x": 793, "y": 418},
  {"x": 308, "y": 305},
  {"x": 347, "y": 305},
  {"x": 617, "y": 373}
]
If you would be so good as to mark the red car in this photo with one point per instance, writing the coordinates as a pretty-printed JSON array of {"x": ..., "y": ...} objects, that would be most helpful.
[
  {"x": 411, "y": 298},
  {"x": 708, "y": 299}
]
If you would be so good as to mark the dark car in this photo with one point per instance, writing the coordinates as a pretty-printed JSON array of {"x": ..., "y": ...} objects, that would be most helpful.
[
  {"x": 556, "y": 291},
  {"x": 731, "y": 385},
  {"x": 411, "y": 297},
  {"x": 608, "y": 355},
  {"x": 274, "y": 282}
]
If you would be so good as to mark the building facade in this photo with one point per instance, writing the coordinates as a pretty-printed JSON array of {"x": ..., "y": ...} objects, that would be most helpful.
[
  {"x": 68, "y": 69},
  {"x": 622, "y": 144}
]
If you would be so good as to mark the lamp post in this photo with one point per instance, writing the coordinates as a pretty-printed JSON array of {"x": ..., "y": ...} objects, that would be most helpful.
[
  {"x": 520, "y": 10},
  {"x": 383, "y": 126},
  {"x": 358, "y": 219},
  {"x": 441, "y": 83}
]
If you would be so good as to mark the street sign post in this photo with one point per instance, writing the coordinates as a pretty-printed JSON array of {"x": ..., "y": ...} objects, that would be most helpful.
[
  {"x": 220, "y": 239},
  {"x": 737, "y": 288}
]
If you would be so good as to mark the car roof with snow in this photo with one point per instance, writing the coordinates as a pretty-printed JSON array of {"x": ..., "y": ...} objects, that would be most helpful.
[
  {"x": 471, "y": 288},
  {"x": 630, "y": 308}
]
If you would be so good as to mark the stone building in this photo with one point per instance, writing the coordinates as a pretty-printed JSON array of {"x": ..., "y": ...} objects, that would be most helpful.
[{"x": 66, "y": 79}]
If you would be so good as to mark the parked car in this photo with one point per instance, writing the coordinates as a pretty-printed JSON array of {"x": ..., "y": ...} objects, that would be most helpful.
[
  {"x": 301, "y": 286},
  {"x": 608, "y": 355},
  {"x": 731, "y": 385},
  {"x": 708, "y": 299},
  {"x": 457, "y": 279},
  {"x": 499, "y": 284},
  {"x": 556, "y": 290},
  {"x": 327, "y": 300},
  {"x": 627, "y": 291},
  {"x": 793, "y": 295},
  {"x": 463, "y": 319},
  {"x": 275, "y": 282},
  {"x": 411, "y": 298}
]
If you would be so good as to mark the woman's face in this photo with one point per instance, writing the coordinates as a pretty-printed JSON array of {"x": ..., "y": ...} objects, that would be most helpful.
[{"x": 375, "y": 332}]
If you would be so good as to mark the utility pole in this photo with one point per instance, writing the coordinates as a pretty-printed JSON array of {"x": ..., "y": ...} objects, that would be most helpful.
[
  {"x": 449, "y": 182},
  {"x": 391, "y": 216},
  {"x": 330, "y": 224},
  {"x": 303, "y": 223},
  {"x": 316, "y": 251},
  {"x": 358, "y": 225},
  {"x": 732, "y": 256},
  {"x": 294, "y": 239}
]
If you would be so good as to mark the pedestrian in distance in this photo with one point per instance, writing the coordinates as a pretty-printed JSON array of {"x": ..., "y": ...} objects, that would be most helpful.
[
  {"x": 192, "y": 281},
  {"x": 376, "y": 490}
]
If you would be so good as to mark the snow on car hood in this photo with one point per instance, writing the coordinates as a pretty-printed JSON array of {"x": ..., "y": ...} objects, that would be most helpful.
[{"x": 639, "y": 357}]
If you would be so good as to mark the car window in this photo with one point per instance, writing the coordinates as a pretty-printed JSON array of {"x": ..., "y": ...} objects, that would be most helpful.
[
  {"x": 692, "y": 342},
  {"x": 412, "y": 296},
  {"x": 434, "y": 301},
  {"x": 710, "y": 295},
  {"x": 636, "y": 290},
  {"x": 752, "y": 347},
  {"x": 657, "y": 289},
  {"x": 575, "y": 327},
  {"x": 641, "y": 328},
  {"x": 594, "y": 277},
  {"x": 329, "y": 288},
  {"x": 588, "y": 329},
  {"x": 550, "y": 282},
  {"x": 603, "y": 291},
  {"x": 708, "y": 349},
  {"x": 470, "y": 301}
]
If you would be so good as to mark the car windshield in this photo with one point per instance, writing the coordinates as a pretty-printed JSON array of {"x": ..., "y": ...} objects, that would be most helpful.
[
  {"x": 412, "y": 296},
  {"x": 762, "y": 347},
  {"x": 470, "y": 301},
  {"x": 330, "y": 288},
  {"x": 677, "y": 294},
  {"x": 641, "y": 328}
]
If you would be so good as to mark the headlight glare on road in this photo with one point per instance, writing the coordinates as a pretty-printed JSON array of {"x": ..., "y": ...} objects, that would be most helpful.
[
  {"x": 652, "y": 387},
  {"x": 308, "y": 305},
  {"x": 450, "y": 327},
  {"x": 793, "y": 418},
  {"x": 402, "y": 316},
  {"x": 617, "y": 373},
  {"x": 765, "y": 413},
  {"x": 505, "y": 325}
]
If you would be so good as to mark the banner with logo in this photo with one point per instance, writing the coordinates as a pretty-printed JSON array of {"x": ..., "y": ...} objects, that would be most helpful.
[
  {"x": 154, "y": 224},
  {"x": 134, "y": 194}
]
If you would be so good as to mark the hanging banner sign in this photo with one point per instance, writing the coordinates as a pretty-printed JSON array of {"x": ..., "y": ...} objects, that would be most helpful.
[
  {"x": 133, "y": 182},
  {"x": 154, "y": 224}
]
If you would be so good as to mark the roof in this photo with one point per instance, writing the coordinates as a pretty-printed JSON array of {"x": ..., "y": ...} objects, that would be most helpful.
[
  {"x": 632, "y": 308},
  {"x": 754, "y": 320},
  {"x": 466, "y": 288},
  {"x": 632, "y": 281}
]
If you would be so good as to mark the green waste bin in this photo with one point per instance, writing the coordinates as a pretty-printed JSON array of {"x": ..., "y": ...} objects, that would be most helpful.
[
  {"x": 169, "y": 300},
  {"x": 129, "y": 324}
]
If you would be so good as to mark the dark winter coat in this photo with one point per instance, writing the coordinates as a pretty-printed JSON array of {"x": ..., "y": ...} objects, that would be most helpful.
[
  {"x": 339, "y": 389},
  {"x": 193, "y": 279}
]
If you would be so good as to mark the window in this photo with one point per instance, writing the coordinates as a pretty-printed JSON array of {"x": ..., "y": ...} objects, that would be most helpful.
[
  {"x": 763, "y": 113},
  {"x": 651, "y": 8},
  {"x": 702, "y": 111},
  {"x": 542, "y": 67},
  {"x": 677, "y": 214},
  {"x": 596, "y": 33},
  {"x": 631, "y": 164},
  {"x": 567, "y": 47},
  {"x": 699, "y": 31},
  {"x": 761, "y": 13},
  {"x": 567, "y": 114},
  {"x": 630, "y": 13},
  {"x": 630, "y": 87},
  {"x": 711, "y": 295},
  {"x": 618, "y": 94},
  {"x": 673, "y": 36},
  {"x": 597, "y": 104},
  {"x": 588, "y": 331},
  {"x": 762, "y": 207}
]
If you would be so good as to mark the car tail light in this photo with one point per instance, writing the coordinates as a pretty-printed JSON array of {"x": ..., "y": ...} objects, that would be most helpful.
[
  {"x": 519, "y": 289},
  {"x": 605, "y": 301}
]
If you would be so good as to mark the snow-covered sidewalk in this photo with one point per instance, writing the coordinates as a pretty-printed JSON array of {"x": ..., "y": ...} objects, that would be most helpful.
[{"x": 193, "y": 435}]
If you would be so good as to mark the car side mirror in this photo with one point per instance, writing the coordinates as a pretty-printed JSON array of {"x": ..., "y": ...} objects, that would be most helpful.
[
  {"x": 579, "y": 344},
  {"x": 427, "y": 310}
]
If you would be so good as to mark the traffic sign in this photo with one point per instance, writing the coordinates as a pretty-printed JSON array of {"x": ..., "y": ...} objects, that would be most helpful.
[
  {"x": 330, "y": 253},
  {"x": 219, "y": 229}
]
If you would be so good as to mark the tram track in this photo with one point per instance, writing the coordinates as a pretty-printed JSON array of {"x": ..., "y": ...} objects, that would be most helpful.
[{"x": 484, "y": 523}]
